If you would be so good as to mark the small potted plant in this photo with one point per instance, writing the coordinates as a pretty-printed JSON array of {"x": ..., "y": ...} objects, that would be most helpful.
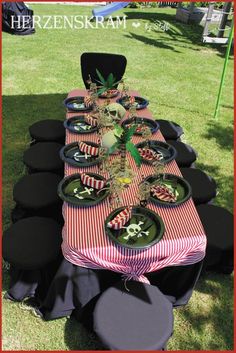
[{"x": 107, "y": 88}]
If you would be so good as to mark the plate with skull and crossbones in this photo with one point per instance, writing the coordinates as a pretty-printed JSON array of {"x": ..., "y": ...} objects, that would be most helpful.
[
  {"x": 72, "y": 155},
  {"x": 144, "y": 229},
  {"x": 72, "y": 190}
]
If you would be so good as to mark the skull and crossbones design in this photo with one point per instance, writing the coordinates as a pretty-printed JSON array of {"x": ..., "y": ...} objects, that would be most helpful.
[{"x": 135, "y": 230}]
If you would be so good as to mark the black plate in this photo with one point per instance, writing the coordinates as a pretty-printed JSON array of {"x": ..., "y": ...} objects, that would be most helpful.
[
  {"x": 73, "y": 182},
  {"x": 115, "y": 94},
  {"x": 141, "y": 102},
  {"x": 182, "y": 186},
  {"x": 168, "y": 151},
  {"x": 68, "y": 151},
  {"x": 152, "y": 223},
  {"x": 78, "y": 125},
  {"x": 152, "y": 124},
  {"x": 68, "y": 102}
]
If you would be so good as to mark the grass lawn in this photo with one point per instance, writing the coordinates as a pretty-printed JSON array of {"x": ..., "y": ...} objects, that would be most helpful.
[{"x": 180, "y": 77}]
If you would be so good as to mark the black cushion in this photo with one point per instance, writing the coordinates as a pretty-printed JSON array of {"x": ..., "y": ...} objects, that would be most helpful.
[
  {"x": 48, "y": 130},
  {"x": 44, "y": 156},
  {"x": 170, "y": 130},
  {"x": 218, "y": 224},
  {"x": 105, "y": 63},
  {"x": 37, "y": 190},
  {"x": 32, "y": 243},
  {"x": 203, "y": 186},
  {"x": 185, "y": 153},
  {"x": 138, "y": 319}
]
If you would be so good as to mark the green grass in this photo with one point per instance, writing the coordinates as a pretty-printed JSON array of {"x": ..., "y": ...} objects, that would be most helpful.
[{"x": 180, "y": 77}]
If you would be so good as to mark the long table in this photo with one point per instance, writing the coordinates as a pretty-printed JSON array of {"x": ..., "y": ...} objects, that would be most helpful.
[{"x": 86, "y": 244}]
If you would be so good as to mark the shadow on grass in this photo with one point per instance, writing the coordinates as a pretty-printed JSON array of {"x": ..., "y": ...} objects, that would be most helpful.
[
  {"x": 225, "y": 197},
  {"x": 219, "y": 315},
  {"x": 178, "y": 32},
  {"x": 224, "y": 135},
  {"x": 77, "y": 337},
  {"x": 19, "y": 112}
]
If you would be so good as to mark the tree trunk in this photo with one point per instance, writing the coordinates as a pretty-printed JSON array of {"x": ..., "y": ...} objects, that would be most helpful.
[{"x": 122, "y": 157}]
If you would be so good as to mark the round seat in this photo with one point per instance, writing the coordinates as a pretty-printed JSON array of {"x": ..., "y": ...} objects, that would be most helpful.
[
  {"x": 48, "y": 130},
  {"x": 170, "y": 130},
  {"x": 32, "y": 243},
  {"x": 218, "y": 224},
  {"x": 37, "y": 190},
  {"x": 185, "y": 153},
  {"x": 203, "y": 186},
  {"x": 43, "y": 157},
  {"x": 138, "y": 319}
]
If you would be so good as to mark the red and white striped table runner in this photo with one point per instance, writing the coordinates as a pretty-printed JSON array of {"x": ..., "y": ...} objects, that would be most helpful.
[{"x": 86, "y": 244}]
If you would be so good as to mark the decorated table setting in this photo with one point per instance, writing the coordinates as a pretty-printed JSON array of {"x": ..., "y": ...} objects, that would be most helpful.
[
  {"x": 126, "y": 206},
  {"x": 127, "y": 212}
]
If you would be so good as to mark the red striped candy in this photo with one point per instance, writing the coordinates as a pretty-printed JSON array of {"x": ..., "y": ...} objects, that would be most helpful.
[
  {"x": 149, "y": 154},
  {"x": 87, "y": 101},
  {"x": 91, "y": 181},
  {"x": 91, "y": 120},
  {"x": 84, "y": 147},
  {"x": 120, "y": 220}
]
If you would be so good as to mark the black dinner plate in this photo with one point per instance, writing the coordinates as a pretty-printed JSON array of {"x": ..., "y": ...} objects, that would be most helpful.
[
  {"x": 182, "y": 186},
  {"x": 113, "y": 95},
  {"x": 169, "y": 152},
  {"x": 152, "y": 124},
  {"x": 76, "y": 104},
  {"x": 72, "y": 155},
  {"x": 141, "y": 102},
  {"x": 78, "y": 125},
  {"x": 85, "y": 195},
  {"x": 152, "y": 223}
]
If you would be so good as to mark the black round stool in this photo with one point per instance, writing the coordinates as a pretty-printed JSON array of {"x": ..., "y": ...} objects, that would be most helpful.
[
  {"x": 36, "y": 195},
  {"x": 48, "y": 130},
  {"x": 44, "y": 157},
  {"x": 219, "y": 227},
  {"x": 32, "y": 246},
  {"x": 170, "y": 130},
  {"x": 186, "y": 155},
  {"x": 32, "y": 243},
  {"x": 138, "y": 319},
  {"x": 203, "y": 186}
]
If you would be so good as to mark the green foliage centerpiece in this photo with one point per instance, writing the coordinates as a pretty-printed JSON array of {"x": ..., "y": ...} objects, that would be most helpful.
[{"x": 119, "y": 140}]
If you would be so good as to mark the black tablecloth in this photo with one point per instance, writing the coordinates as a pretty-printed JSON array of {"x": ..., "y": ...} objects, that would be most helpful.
[{"x": 63, "y": 287}]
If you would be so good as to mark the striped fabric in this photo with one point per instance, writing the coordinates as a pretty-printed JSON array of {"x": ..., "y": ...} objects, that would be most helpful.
[
  {"x": 86, "y": 244},
  {"x": 149, "y": 154},
  {"x": 120, "y": 220},
  {"x": 90, "y": 120},
  {"x": 94, "y": 183},
  {"x": 84, "y": 147}
]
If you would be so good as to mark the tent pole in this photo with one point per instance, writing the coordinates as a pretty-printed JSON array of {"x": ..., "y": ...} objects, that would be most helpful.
[{"x": 224, "y": 69}]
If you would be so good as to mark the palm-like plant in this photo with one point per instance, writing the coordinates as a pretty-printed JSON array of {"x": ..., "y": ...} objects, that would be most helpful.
[
  {"x": 106, "y": 84},
  {"x": 124, "y": 145}
]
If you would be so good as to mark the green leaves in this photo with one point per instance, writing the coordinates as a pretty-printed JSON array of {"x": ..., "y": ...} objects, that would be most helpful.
[
  {"x": 118, "y": 130},
  {"x": 134, "y": 152},
  {"x": 108, "y": 83}
]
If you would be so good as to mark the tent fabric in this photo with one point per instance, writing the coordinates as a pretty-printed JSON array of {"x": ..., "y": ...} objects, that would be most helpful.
[{"x": 13, "y": 21}]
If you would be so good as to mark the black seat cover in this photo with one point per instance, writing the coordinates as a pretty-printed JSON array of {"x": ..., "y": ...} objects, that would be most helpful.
[
  {"x": 32, "y": 243},
  {"x": 37, "y": 190},
  {"x": 48, "y": 130},
  {"x": 203, "y": 186},
  {"x": 105, "y": 63},
  {"x": 169, "y": 129},
  {"x": 138, "y": 319},
  {"x": 44, "y": 156}
]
